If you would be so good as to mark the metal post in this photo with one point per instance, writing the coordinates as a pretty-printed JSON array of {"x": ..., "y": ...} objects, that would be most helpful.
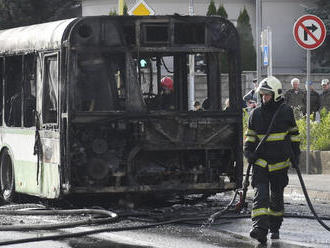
[
  {"x": 258, "y": 37},
  {"x": 191, "y": 83},
  {"x": 270, "y": 52},
  {"x": 120, "y": 7},
  {"x": 308, "y": 109}
]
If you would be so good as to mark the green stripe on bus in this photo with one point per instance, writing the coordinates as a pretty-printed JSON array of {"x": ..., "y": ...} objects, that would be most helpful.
[{"x": 18, "y": 131}]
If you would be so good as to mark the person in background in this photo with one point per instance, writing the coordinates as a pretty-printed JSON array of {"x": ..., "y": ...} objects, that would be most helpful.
[
  {"x": 251, "y": 97},
  {"x": 296, "y": 97},
  {"x": 272, "y": 161},
  {"x": 197, "y": 106},
  {"x": 165, "y": 100},
  {"x": 227, "y": 105},
  {"x": 325, "y": 95},
  {"x": 206, "y": 104},
  {"x": 314, "y": 103}
]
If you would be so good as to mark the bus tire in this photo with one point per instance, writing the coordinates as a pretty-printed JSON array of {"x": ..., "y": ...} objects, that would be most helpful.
[{"x": 7, "y": 177}]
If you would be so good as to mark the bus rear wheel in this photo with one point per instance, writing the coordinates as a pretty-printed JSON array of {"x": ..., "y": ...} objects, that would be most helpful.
[{"x": 7, "y": 177}]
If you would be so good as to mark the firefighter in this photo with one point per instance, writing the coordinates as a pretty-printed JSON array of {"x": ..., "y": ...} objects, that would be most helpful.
[
  {"x": 296, "y": 97},
  {"x": 165, "y": 100},
  {"x": 273, "y": 158},
  {"x": 325, "y": 95}
]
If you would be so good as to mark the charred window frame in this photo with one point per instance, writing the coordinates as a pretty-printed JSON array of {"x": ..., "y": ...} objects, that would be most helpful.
[
  {"x": 13, "y": 90},
  {"x": 100, "y": 81},
  {"x": 50, "y": 88}
]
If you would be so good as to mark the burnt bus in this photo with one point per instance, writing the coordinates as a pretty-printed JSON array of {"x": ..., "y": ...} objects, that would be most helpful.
[{"x": 93, "y": 87}]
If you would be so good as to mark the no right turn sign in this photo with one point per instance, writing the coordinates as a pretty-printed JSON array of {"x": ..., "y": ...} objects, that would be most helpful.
[{"x": 309, "y": 31}]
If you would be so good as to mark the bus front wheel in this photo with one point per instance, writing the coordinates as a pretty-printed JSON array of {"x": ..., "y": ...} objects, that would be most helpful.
[{"x": 7, "y": 177}]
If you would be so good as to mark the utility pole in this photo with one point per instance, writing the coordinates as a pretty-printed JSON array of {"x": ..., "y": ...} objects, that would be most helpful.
[
  {"x": 191, "y": 83},
  {"x": 258, "y": 36},
  {"x": 120, "y": 7}
]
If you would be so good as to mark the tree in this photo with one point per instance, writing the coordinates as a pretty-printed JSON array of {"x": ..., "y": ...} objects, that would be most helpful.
[
  {"x": 321, "y": 55},
  {"x": 125, "y": 10},
  {"x": 222, "y": 11},
  {"x": 223, "y": 57},
  {"x": 248, "y": 52},
  {"x": 14, "y": 13},
  {"x": 212, "y": 10}
]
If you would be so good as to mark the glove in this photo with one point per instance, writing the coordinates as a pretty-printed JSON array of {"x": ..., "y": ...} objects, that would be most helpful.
[{"x": 252, "y": 157}]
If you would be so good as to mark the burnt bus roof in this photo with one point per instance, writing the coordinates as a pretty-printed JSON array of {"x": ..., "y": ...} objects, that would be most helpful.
[
  {"x": 45, "y": 36},
  {"x": 144, "y": 33}
]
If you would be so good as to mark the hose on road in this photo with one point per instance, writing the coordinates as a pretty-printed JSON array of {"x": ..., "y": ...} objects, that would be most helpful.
[{"x": 310, "y": 205}]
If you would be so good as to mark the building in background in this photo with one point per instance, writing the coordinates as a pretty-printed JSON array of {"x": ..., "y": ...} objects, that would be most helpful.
[{"x": 279, "y": 15}]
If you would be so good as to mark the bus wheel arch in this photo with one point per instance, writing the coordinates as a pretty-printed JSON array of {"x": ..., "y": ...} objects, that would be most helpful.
[{"x": 7, "y": 177}]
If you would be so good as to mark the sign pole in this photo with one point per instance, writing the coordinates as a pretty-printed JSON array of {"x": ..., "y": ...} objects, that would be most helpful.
[
  {"x": 191, "y": 84},
  {"x": 309, "y": 32},
  {"x": 308, "y": 109},
  {"x": 270, "y": 66}
]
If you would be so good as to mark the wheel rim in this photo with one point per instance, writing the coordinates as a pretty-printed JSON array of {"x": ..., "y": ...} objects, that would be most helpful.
[{"x": 6, "y": 177}]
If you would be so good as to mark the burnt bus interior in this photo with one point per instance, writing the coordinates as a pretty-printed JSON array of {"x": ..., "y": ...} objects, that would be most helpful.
[
  {"x": 119, "y": 135},
  {"x": 19, "y": 90}
]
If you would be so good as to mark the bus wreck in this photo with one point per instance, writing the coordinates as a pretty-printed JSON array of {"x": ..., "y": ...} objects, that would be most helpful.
[{"x": 99, "y": 126}]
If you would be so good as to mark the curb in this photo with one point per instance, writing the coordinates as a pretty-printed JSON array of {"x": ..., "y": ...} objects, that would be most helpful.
[{"x": 296, "y": 192}]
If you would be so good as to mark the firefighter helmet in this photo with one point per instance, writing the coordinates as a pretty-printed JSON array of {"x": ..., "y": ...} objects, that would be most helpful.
[
  {"x": 325, "y": 81},
  {"x": 271, "y": 85},
  {"x": 167, "y": 83}
]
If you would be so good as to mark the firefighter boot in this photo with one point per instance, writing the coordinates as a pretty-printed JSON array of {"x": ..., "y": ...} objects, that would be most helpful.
[
  {"x": 275, "y": 235},
  {"x": 259, "y": 234}
]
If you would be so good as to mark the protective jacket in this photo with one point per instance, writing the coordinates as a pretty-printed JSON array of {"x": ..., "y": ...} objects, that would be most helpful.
[
  {"x": 283, "y": 142},
  {"x": 325, "y": 100}
]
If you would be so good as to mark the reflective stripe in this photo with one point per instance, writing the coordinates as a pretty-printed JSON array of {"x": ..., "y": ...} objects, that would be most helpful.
[
  {"x": 250, "y": 132},
  {"x": 259, "y": 211},
  {"x": 279, "y": 166},
  {"x": 275, "y": 213},
  {"x": 295, "y": 138},
  {"x": 250, "y": 139},
  {"x": 273, "y": 167},
  {"x": 274, "y": 136},
  {"x": 261, "y": 162},
  {"x": 293, "y": 129}
]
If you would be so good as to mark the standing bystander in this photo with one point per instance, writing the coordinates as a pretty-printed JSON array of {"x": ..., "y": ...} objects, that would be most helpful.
[
  {"x": 296, "y": 97},
  {"x": 251, "y": 97},
  {"x": 325, "y": 95}
]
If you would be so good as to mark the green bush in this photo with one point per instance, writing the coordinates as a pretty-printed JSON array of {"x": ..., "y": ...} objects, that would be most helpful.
[{"x": 319, "y": 132}]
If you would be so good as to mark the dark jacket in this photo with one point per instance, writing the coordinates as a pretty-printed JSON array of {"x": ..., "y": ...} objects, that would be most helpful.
[
  {"x": 296, "y": 98},
  {"x": 315, "y": 101},
  {"x": 325, "y": 100},
  {"x": 282, "y": 145}
]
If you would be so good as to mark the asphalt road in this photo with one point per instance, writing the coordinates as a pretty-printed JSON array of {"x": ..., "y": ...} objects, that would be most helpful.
[{"x": 295, "y": 232}]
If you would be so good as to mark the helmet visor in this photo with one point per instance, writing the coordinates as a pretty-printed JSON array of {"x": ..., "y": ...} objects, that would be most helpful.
[{"x": 265, "y": 92}]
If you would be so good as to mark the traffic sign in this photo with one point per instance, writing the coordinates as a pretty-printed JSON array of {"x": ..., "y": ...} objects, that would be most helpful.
[
  {"x": 141, "y": 8},
  {"x": 266, "y": 56},
  {"x": 309, "y": 32}
]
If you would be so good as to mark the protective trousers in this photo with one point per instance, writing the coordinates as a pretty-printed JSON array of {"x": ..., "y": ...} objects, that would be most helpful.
[{"x": 268, "y": 203}]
